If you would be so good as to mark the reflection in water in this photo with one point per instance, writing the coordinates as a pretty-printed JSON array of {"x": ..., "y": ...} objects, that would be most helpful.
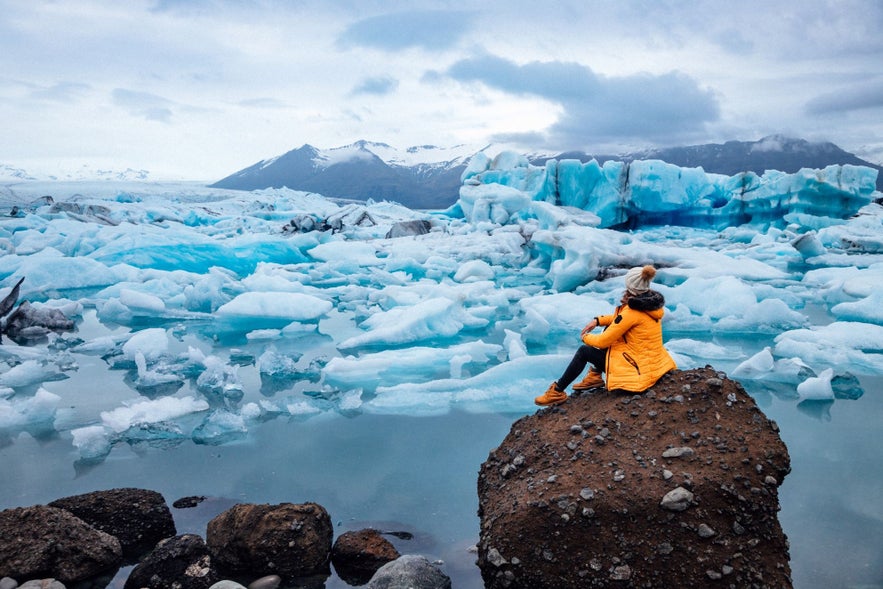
[{"x": 415, "y": 477}]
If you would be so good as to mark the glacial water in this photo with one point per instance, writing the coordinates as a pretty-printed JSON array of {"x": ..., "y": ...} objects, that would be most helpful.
[{"x": 418, "y": 474}]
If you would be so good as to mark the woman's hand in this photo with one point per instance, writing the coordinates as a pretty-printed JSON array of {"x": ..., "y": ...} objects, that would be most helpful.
[{"x": 592, "y": 325}]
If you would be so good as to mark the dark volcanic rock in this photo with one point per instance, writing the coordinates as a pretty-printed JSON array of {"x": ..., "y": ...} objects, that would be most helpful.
[
  {"x": 138, "y": 517},
  {"x": 181, "y": 562},
  {"x": 47, "y": 542},
  {"x": 288, "y": 539},
  {"x": 581, "y": 496},
  {"x": 357, "y": 555}
]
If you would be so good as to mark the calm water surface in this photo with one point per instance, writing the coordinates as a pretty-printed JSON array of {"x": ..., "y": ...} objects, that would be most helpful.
[{"x": 418, "y": 474}]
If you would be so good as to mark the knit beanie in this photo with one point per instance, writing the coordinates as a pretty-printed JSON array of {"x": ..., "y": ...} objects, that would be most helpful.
[{"x": 637, "y": 280}]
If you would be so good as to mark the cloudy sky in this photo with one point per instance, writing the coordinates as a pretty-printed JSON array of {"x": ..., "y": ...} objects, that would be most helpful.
[{"x": 198, "y": 89}]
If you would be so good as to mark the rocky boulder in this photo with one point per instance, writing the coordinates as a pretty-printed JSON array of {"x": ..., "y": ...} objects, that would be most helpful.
[
  {"x": 138, "y": 517},
  {"x": 180, "y": 562},
  {"x": 675, "y": 487},
  {"x": 357, "y": 555},
  {"x": 47, "y": 542},
  {"x": 410, "y": 571},
  {"x": 291, "y": 540}
]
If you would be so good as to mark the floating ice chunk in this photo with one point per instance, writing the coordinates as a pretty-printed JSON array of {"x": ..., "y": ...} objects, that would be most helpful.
[
  {"x": 491, "y": 390},
  {"x": 757, "y": 366},
  {"x": 142, "y": 301},
  {"x": 30, "y": 372},
  {"x": 474, "y": 270},
  {"x": 165, "y": 408},
  {"x": 272, "y": 363},
  {"x": 817, "y": 388},
  {"x": 263, "y": 334},
  {"x": 219, "y": 378},
  {"x": 91, "y": 442},
  {"x": 38, "y": 409},
  {"x": 491, "y": 203},
  {"x": 514, "y": 345},
  {"x": 809, "y": 245},
  {"x": 767, "y": 316},
  {"x": 153, "y": 343},
  {"x": 350, "y": 401},
  {"x": 100, "y": 346},
  {"x": 566, "y": 312},
  {"x": 843, "y": 343},
  {"x": 291, "y": 306},
  {"x": 251, "y": 411},
  {"x": 434, "y": 318},
  {"x": 867, "y": 310},
  {"x": 220, "y": 427},
  {"x": 346, "y": 255},
  {"x": 153, "y": 379},
  {"x": 397, "y": 366},
  {"x": 715, "y": 298},
  {"x": 790, "y": 370},
  {"x": 301, "y": 408}
]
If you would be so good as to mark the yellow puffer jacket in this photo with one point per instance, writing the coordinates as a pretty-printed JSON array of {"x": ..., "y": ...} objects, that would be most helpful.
[{"x": 633, "y": 337}]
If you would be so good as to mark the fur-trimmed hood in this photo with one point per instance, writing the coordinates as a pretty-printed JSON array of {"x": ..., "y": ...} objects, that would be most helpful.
[{"x": 647, "y": 301}]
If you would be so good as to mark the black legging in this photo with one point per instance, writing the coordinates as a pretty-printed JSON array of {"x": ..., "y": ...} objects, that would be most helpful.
[{"x": 597, "y": 357}]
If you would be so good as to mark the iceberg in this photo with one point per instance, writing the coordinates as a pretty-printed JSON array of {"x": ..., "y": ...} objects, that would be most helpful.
[
  {"x": 30, "y": 411},
  {"x": 290, "y": 306},
  {"x": 122, "y": 418},
  {"x": 210, "y": 301},
  {"x": 653, "y": 192}
]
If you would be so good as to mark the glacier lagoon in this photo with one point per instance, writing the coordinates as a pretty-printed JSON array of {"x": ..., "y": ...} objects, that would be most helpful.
[{"x": 218, "y": 354}]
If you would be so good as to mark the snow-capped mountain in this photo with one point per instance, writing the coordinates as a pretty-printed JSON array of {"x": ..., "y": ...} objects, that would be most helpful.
[
  {"x": 419, "y": 177},
  {"x": 10, "y": 174},
  {"x": 429, "y": 177}
]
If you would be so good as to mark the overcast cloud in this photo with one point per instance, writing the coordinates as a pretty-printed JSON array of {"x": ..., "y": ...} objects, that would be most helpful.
[{"x": 201, "y": 88}]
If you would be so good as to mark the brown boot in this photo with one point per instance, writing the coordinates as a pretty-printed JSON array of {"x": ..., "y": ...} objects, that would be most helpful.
[
  {"x": 553, "y": 396},
  {"x": 592, "y": 380}
]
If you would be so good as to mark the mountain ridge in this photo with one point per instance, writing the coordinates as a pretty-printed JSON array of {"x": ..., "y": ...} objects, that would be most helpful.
[{"x": 371, "y": 170}]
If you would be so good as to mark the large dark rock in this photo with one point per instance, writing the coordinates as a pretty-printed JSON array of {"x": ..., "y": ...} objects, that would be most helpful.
[
  {"x": 357, "y": 555},
  {"x": 138, "y": 517},
  {"x": 180, "y": 562},
  {"x": 291, "y": 540},
  {"x": 47, "y": 542},
  {"x": 410, "y": 571},
  {"x": 676, "y": 487}
]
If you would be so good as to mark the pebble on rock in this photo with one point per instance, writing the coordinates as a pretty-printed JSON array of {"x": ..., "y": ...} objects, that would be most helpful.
[
  {"x": 677, "y": 499},
  {"x": 678, "y": 452}
]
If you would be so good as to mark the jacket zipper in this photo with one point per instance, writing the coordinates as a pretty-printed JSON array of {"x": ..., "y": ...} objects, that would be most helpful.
[{"x": 631, "y": 361}]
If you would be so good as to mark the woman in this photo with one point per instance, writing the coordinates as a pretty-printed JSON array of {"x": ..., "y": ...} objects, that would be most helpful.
[{"x": 629, "y": 349}]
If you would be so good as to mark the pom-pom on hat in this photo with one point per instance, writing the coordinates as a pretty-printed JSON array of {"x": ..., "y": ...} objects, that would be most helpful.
[{"x": 637, "y": 280}]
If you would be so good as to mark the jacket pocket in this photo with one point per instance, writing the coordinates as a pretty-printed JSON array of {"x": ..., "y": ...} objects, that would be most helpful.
[{"x": 631, "y": 361}]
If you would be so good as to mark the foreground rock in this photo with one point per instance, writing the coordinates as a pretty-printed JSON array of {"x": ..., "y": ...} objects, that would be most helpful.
[
  {"x": 290, "y": 540},
  {"x": 180, "y": 562},
  {"x": 410, "y": 571},
  {"x": 676, "y": 487},
  {"x": 139, "y": 518},
  {"x": 357, "y": 555},
  {"x": 47, "y": 542}
]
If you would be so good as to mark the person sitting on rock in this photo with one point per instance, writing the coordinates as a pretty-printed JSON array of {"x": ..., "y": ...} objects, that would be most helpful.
[{"x": 629, "y": 349}]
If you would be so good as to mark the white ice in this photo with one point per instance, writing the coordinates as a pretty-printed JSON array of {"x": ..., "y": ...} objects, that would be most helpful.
[
  {"x": 147, "y": 411},
  {"x": 817, "y": 388}
]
